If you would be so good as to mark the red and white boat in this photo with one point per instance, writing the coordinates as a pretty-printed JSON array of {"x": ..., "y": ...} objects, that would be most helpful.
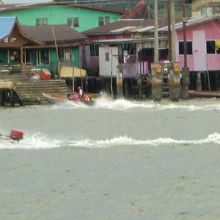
[{"x": 74, "y": 97}]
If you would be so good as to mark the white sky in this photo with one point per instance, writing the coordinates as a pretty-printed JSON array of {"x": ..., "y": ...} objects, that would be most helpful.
[{"x": 24, "y": 1}]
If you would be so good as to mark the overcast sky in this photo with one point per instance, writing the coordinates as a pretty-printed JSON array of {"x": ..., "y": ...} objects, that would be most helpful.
[{"x": 24, "y": 1}]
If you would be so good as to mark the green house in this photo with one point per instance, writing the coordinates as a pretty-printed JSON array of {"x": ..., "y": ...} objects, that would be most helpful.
[
  {"x": 79, "y": 17},
  {"x": 55, "y": 20}
]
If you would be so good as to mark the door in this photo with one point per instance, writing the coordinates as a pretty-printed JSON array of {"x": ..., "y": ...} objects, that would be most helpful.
[
  {"x": 108, "y": 61},
  {"x": 67, "y": 54},
  {"x": 199, "y": 51}
]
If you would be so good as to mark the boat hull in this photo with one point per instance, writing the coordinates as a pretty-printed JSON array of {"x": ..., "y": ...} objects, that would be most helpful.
[{"x": 57, "y": 98}]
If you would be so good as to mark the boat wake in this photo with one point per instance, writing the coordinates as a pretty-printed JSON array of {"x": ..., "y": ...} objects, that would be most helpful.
[
  {"x": 106, "y": 102},
  {"x": 38, "y": 141}
]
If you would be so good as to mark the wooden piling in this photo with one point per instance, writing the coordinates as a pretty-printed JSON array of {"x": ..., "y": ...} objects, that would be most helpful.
[{"x": 119, "y": 85}]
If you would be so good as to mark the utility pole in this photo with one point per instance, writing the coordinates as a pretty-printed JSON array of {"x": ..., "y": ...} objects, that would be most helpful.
[
  {"x": 156, "y": 47},
  {"x": 169, "y": 30},
  {"x": 185, "y": 69},
  {"x": 184, "y": 32},
  {"x": 173, "y": 30},
  {"x": 148, "y": 10}
]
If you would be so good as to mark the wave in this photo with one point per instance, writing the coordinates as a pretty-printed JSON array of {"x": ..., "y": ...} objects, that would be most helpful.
[
  {"x": 38, "y": 141},
  {"x": 106, "y": 102}
]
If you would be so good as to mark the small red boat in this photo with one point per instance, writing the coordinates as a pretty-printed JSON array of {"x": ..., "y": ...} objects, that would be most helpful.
[{"x": 14, "y": 135}]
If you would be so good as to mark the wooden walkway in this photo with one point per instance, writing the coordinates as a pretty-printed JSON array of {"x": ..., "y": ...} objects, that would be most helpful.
[{"x": 204, "y": 94}]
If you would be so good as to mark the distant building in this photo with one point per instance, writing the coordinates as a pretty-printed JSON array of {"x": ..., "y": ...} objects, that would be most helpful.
[{"x": 205, "y": 7}]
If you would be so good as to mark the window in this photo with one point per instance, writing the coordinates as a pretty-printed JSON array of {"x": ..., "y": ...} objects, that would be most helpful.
[
  {"x": 130, "y": 48},
  {"x": 14, "y": 56},
  {"x": 188, "y": 48},
  {"x": 94, "y": 50},
  {"x": 27, "y": 56},
  {"x": 107, "y": 56},
  {"x": 104, "y": 20},
  {"x": 41, "y": 21},
  {"x": 73, "y": 22},
  {"x": 210, "y": 48},
  {"x": 107, "y": 20},
  {"x": 43, "y": 56}
]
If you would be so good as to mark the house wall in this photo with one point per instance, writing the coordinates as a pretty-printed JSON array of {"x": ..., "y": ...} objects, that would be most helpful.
[
  {"x": 75, "y": 52},
  {"x": 108, "y": 67},
  {"x": 211, "y": 33},
  {"x": 58, "y": 14},
  {"x": 3, "y": 55}
]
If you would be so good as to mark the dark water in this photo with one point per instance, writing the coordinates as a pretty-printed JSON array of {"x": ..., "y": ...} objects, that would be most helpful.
[{"x": 116, "y": 160}]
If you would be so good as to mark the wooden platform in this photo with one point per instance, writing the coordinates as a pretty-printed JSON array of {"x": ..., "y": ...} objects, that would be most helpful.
[
  {"x": 31, "y": 92},
  {"x": 204, "y": 94},
  {"x": 7, "y": 85},
  {"x": 16, "y": 89}
]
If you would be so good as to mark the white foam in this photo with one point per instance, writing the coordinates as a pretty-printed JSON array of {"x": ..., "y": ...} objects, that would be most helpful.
[
  {"x": 38, "y": 141},
  {"x": 35, "y": 141},
  {"x": 106, "y": 102}
]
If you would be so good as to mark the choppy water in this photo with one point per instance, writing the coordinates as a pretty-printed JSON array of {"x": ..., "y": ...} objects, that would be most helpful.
[{"x": 116, "y": 160}]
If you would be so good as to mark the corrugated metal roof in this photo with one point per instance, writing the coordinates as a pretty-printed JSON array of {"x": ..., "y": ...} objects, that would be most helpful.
[
  {"x": 124, "y": 25},
  {"x": 127, "y": 28},
  {"x": 62, "y": 33},
  {"x": 6, "y": 26},
  {"x": 191, "y": 22},
  {"x": 143, "y": 29}
]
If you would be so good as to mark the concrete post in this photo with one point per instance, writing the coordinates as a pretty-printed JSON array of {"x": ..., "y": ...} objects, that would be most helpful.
[
  {"x": 185, "y": 83},
  {"x": 198, "y": 82},
  {"x": 119, "y": 82},
  {"x": 174, "y": 82},
  {"x": 156, "y": 82},
  {"x": 126, "y": 88}
]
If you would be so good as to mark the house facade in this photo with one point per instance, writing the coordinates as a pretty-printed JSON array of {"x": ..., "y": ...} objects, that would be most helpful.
[
  {"x": 54, "y": 45},
  {"x": 79, "y": 17},
  {"x": 45, "y": 19},
  {"x": 13, "y": 39},
  {"x": 60, "y": 45},
  {"x": 203, "y": 53},
  {"x": 125, "y": 45}
]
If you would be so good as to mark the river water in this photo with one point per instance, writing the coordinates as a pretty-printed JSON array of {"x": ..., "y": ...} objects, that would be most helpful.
[{"x": 116, "y": 160}]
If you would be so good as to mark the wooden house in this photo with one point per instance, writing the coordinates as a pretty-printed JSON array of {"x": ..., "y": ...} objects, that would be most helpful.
[
  {"x": 13, "y": 39},
  {"x": 40, "y": 46},
  {"x": 64, "y": 19},
  {"x": 60, "y": 44},
  {"x": 79, "y": 17},
  {"x": 122, "y": 46},
  {"x": 203, "y": 53}
]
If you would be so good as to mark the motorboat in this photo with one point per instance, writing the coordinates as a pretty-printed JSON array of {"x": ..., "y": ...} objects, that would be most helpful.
[{"x": 54, "y": 98}]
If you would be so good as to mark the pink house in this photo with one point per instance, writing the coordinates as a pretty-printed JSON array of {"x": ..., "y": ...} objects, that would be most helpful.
[{"x": 201, "y": 35}]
